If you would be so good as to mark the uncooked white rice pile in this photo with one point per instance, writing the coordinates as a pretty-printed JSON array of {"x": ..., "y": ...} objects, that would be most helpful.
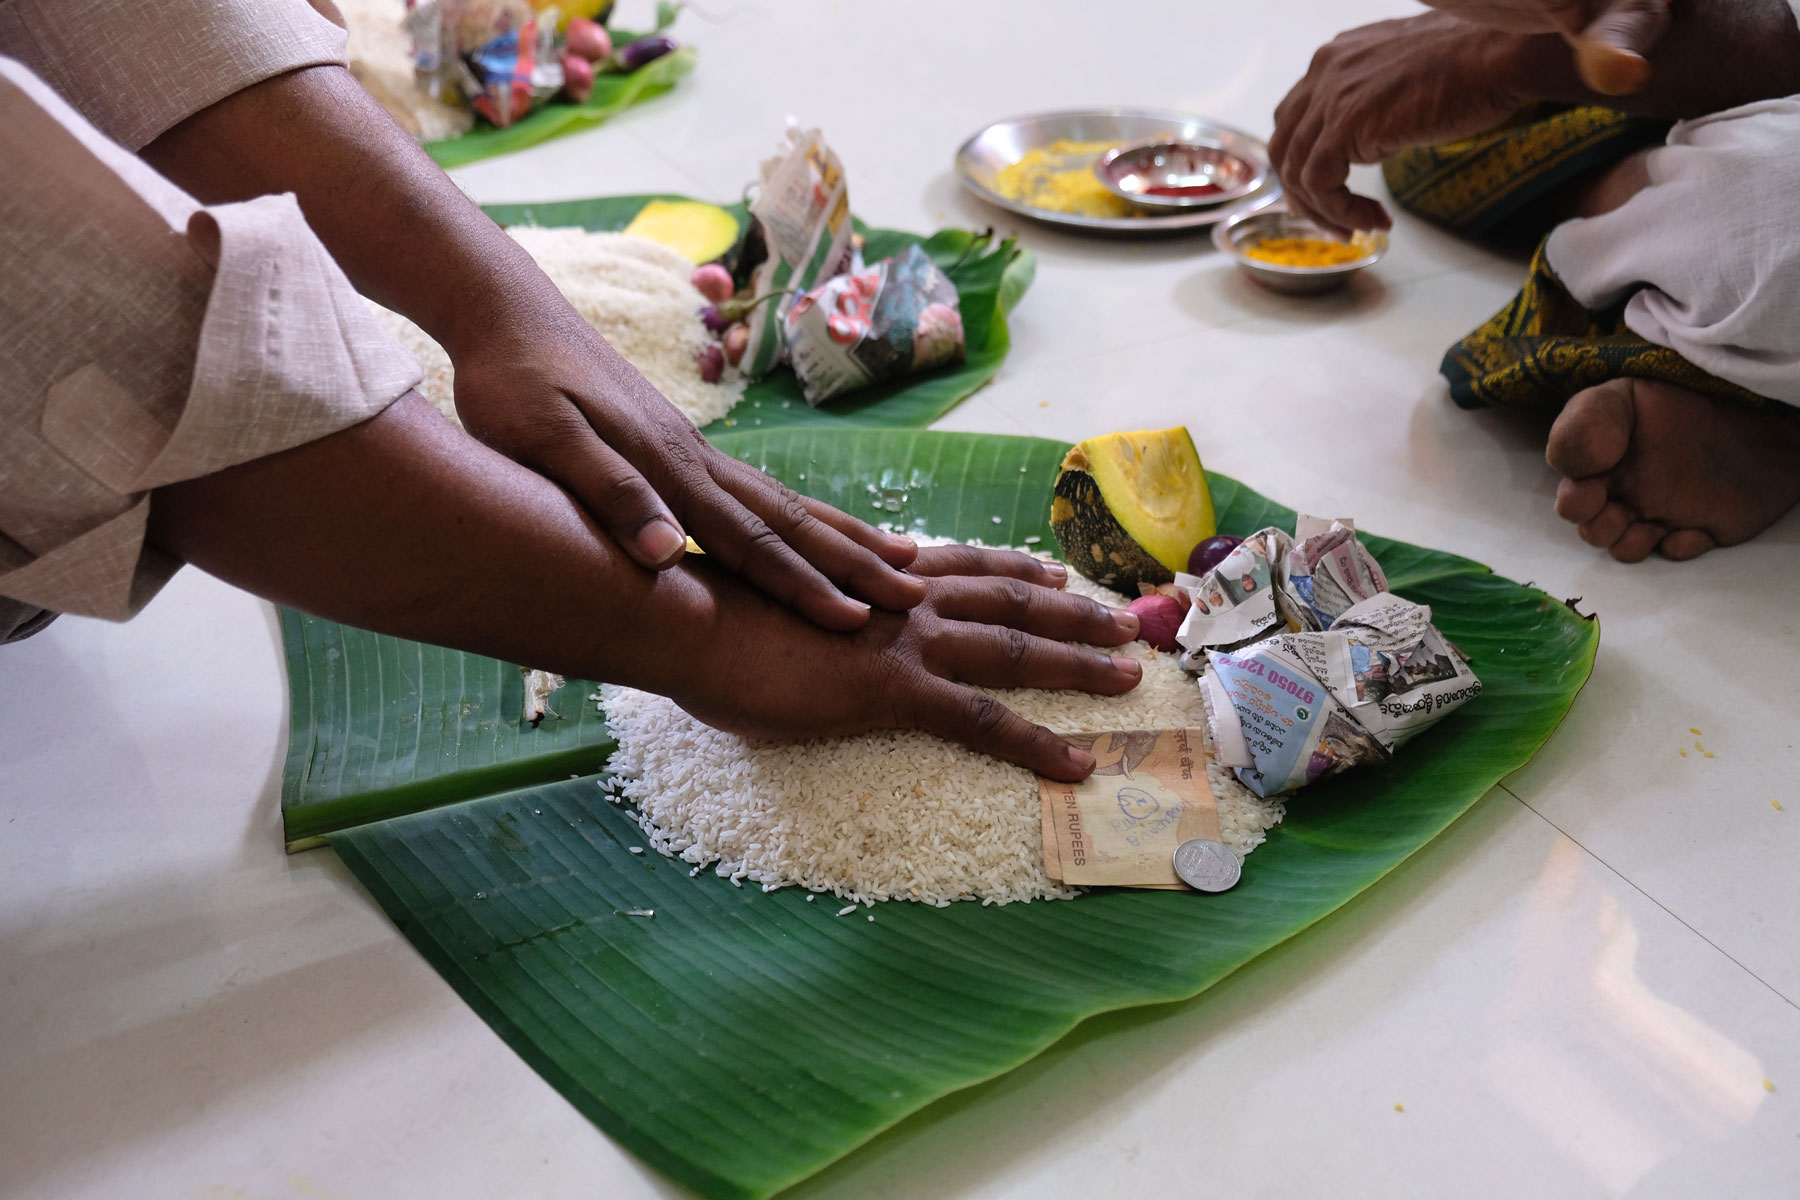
[
  {"x": 381, "y": 57},
  {"x": 634, "y": 291},
  {"x": 883, "y": 816}
]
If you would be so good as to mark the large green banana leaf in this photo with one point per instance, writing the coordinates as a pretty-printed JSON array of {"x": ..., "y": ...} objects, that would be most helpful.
[
  {"x": 612, "y": 95},
  {"x": 990, "y": 279},
  {"x": 740, "y": 1041},
  {"x": 382, "y": 727}
]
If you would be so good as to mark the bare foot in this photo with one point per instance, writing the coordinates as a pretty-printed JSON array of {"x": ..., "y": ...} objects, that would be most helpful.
[{"x": 1649, "y": 466}]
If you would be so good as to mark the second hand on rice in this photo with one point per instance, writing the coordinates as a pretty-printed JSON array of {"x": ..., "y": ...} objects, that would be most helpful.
[{"x": 894, "y": 815}]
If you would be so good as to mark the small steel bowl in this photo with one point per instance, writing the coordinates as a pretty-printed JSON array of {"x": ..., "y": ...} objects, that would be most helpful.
[
  {"x": 1234, "y": 236},
  {"x": 1166, "y": 176}
]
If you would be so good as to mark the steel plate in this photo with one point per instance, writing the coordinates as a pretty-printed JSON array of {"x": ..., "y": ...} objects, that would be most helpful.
[{"x": 1003, "y": 143}]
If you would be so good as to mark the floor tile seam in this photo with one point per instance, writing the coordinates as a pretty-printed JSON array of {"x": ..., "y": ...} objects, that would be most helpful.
[
  {"x": 1636, "y": 887},
  {"x": 697, "y": 185},
  {"x": 986, "y": 404}
]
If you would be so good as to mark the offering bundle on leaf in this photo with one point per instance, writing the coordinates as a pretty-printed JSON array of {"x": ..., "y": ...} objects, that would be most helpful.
[
  {"x": 1307, "y": 664},
  {"x": 440, "y": 67}
]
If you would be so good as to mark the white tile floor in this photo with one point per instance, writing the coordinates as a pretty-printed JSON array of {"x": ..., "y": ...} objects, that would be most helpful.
[{"x": 1578, "y": 991}]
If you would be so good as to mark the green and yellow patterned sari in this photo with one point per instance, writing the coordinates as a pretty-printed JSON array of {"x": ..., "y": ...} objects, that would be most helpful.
[{"x": 1543, "y": 347}]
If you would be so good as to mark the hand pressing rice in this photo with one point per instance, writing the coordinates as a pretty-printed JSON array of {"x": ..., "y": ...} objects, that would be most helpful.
[
  {"x": 635, "y": 292},
  {"x": 883, "y": 816}
]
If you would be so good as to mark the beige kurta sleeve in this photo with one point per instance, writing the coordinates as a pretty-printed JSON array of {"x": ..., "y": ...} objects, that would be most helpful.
[
  {"x": 129, "y": 361},
  {"x": 136, "y": 67}
]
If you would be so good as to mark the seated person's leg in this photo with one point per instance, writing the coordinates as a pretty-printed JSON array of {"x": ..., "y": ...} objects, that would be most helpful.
[{"x": 1702, "y": 247}]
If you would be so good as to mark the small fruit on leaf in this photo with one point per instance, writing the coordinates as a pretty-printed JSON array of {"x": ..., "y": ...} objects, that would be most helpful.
[
  {"x": 1158, "y": 619},
  {"x": 713, "y": 282},
  {"x": 589, "y": 39},
  {"x": 578, "y": 77},
  {"x": 1128, "y": 507},
  {"x": 1211, "y": 553}
]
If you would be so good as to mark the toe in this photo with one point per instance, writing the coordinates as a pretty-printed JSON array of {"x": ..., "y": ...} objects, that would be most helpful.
[
  {"x": 1637, "y": 542},
  {"x": 1684, "y": 544},
  {"x": 1580, "y": 500},
  {"x": 1593, "y": 431},
  {"x": 1608, "y": 527}
]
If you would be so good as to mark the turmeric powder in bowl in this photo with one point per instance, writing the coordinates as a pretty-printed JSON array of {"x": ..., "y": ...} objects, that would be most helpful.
[
  {"x": 1288, "y": 253},
  {"x": 1306, "y": 252}
]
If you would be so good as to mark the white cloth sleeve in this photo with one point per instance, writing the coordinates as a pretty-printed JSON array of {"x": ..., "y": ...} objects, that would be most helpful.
[
  {"x": 1706, "y": 258},
  {"x": 128, "y": 362},
  {"x": 136, "y": 67}
]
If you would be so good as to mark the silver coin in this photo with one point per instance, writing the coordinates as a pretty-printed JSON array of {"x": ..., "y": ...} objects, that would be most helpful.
[{"x": 1207, "y": 866}]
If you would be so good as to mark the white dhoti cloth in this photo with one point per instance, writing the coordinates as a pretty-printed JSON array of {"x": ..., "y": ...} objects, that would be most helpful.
[{"x": 1707, "y": 256}]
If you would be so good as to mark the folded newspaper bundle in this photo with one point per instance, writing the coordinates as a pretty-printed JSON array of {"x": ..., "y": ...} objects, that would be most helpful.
[
  {"x": 842, "y": 323},
  {"x": 1353, "y": 673},
  {"x": 872, "y": 323},
  {"x": 802, "y": 210}
]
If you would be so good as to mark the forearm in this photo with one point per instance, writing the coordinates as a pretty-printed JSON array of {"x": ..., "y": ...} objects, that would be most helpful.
[
  {"x": 1716, "y": 54},
  {"x": 406, "y": 526},
  {"x": 402, "y": 231}
]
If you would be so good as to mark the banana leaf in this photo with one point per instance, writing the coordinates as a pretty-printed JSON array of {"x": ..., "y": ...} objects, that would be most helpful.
[
  {"x": 612, "y": 94},
  {"x": 381, "y": 726},
  {"x": 738, "y": 1040},
  {"x": 990, "y": 280}
]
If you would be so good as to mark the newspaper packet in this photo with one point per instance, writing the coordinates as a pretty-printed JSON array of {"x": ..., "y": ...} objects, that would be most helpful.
[
  {"x": 1309, "y": 665},
  {"x": 802, "y": 207},
  {"x": 1300, "y": 707},
  {"x": 1305, "y": 582},
  {"x": 876, "y": 322}
]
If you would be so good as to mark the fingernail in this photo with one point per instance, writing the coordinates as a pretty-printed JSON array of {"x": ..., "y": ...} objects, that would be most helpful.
[
  {"x": 900, "y": 539},
  {"x": 1128, "y": 666},
  {"x": 1126, "y": 620},
  {"x": 1057, "y": 572},
  {"x": 1080, "y": 759},
  {"x": 659, "y": 541}
]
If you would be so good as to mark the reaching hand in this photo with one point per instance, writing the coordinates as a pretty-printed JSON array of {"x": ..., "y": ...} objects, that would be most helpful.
[
  {"x": 1375, "y": 91},
  {"x": 1610, "y": 37},
  {"x": 990, "y": 618},
  {"x": 554, "y": 396}
]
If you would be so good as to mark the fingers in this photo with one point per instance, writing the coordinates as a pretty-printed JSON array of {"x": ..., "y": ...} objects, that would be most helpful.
[
  {"x": 1033, "y": 609},
  {"x": 1001, "y": 657},
  {"x": 619, "y": 498},
  {"x": 773, "y": 537},
  {"x": 984, "y": 724},
  {"x": 1312, "y": 157},
  {"x": 1610, "y": 51},
  {"x": 895, "y": 549},
  {"x": 935, "y": 561}
]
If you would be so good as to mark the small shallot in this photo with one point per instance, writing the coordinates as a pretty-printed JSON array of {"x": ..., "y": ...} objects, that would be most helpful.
[
  {"x": 589, "y": 39},
  {"x": 714, "y": 282},
  {"x": 711, "y": 362},
  {"x": 1158, "y": 619},
  {"x": 578, "y": 76},
  {"x": 737, "y": 340}
]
